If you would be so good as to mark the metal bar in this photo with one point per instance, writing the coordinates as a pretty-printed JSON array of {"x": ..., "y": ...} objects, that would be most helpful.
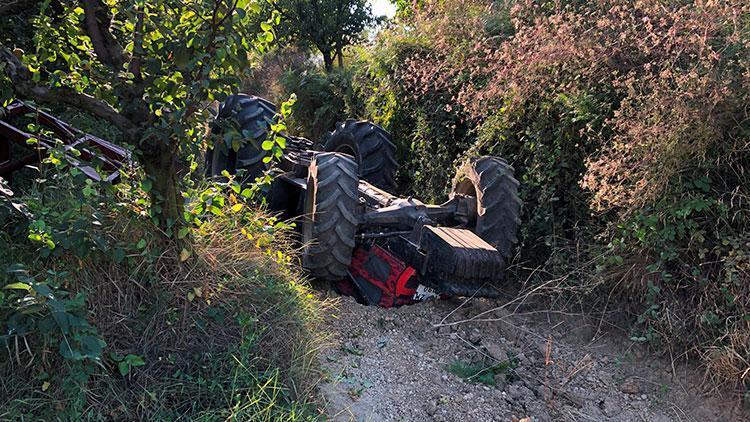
[
  {"x": 17, "y": 108},
  {"x": 10, "y": 166},
  {"x": 374, "y": 195},
  {"x": 87, "y": 155},
  {"x": 381, "y": 235},
  {"x": 68, "y": 133},
  {"x": 4, "y": 150},
  {"x": 91, "y": 147},
  {"x": 11, "y": 133},
  {"x": 110, "y": 150},
  {"x": 296, "y": 181}
]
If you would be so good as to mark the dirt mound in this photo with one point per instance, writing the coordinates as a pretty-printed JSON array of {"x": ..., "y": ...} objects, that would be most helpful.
[{"x": 427, "y": 362}]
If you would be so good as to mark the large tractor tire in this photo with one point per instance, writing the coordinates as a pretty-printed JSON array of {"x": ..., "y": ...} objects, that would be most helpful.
[
  {"x": 372, "y": 148},
  {"x": 253, "y": 116},
  {"x": 490, "y": 180},
  {"x": 331, "y": 215}
]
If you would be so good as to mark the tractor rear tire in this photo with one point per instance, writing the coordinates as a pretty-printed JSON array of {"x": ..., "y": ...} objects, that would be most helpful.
[
  {"x": 372, "y": 148},
  {"x": 490, "y": 180},
  {"x": 254, "y": 116},
  {"x": 331, "y": 215}
]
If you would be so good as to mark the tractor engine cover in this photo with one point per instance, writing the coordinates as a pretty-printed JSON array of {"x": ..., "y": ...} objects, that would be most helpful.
[{"x": 459, "y": 262}]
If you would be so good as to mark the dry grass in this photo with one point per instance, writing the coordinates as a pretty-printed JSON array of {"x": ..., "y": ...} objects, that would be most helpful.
[
  {"x": 728, "y": 367},
  {"x": 229, "y": 333},
  {"x": 616, "y": 295}
]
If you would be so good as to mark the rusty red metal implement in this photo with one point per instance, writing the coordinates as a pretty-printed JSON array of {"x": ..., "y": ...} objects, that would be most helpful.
[{"x": 92, "y": 149}]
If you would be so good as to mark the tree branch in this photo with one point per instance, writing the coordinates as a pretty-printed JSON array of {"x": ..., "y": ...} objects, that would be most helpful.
[
  {"x": 95, "y": 33},
  {"x": 135, "y": 61},
  {"x": 24, "y": 87},
  {"x": 106, "y": 47}
]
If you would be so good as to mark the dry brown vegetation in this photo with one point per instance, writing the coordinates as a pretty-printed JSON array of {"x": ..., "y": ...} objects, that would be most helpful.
[{"x": 229, "y": 333}]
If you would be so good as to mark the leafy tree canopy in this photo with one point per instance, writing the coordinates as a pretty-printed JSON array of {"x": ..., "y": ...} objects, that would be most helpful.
[
  {"x": 148, "y": 67},
  {"x": 326, "y": 25}
]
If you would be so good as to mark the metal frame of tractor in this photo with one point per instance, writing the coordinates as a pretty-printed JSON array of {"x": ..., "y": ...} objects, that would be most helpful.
[{"x": 92, "y": 149}]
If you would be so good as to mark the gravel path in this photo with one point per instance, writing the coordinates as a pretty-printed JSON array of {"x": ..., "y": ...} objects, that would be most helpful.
[{"x": 393, "y": 365}]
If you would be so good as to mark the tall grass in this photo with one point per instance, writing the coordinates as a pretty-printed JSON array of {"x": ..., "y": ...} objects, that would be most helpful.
[{"x": 230, "y": 333}]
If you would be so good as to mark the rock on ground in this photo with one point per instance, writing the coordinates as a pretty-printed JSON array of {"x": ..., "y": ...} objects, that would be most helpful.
[{"x": 392, "y": 365}]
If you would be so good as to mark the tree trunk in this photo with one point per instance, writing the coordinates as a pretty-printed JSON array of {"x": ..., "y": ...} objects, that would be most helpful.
[
  {"x": 160, "y": 165},
  {"x": 328, "y": 60},
  {"x": 340, "y": 55}
]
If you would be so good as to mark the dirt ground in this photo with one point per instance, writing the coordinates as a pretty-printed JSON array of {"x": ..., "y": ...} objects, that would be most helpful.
[{"x": 393, "y": 365}]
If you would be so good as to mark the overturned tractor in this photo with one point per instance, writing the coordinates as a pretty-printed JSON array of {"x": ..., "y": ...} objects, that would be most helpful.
[{"x": 351, "y": 224}]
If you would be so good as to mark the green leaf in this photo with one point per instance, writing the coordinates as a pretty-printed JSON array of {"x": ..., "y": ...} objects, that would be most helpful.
[
  {"x": 182, "y": 57},
  {"x": 68, "y": 352},
  {"x": 353, "y": 350},
  {"x": 44, "y": 290},
  {"x": 16, "y": 268},
  {"x": 92, "y": 347},
  {"x": 146, "y": 185},
  {"x": 267, "y": 145},
  {"x": 18, "y": 286},
  {"x": 135, "y": 360},
  {"x": 124, "y": 368}
]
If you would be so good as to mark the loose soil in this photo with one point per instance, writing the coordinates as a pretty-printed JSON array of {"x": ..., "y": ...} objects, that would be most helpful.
[{"x": 393, "y": 365}]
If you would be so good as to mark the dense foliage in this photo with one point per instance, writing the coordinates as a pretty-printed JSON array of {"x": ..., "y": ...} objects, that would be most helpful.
[
  {"x": 146, "y": 68},
  {"x": 325, "y": 25},
  {"x": 627, "y": 125}
]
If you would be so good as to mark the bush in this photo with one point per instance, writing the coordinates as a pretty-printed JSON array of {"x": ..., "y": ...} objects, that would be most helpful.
[
  {"x": 323, "y": 99},
  {"x": 628, "y": 129},
  {"x": 429, "y": 131}
]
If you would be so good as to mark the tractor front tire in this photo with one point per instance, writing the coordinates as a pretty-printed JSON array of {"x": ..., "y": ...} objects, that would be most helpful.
[
  {"x": 331, "y": 215},
  {"x": 254, "y": 116},
  {"x": 490, "y": 180},
  {"x": 372, "y": 148}
]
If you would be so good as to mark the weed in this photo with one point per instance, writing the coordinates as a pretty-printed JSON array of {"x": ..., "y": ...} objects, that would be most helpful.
[
  {"x": 479, "y": 372},
  {"x": 352, "y": 350}
]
